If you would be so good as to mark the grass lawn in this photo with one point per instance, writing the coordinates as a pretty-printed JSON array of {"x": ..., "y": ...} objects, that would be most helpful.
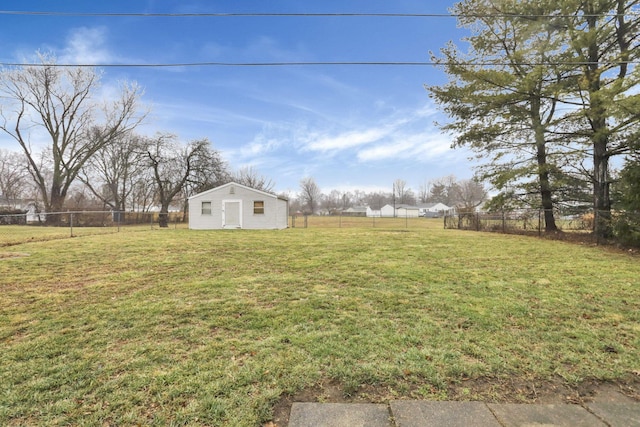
[{"x": 181, "y": 327}]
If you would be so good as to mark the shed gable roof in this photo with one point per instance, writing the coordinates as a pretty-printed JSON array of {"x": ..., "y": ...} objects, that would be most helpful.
[
  {"x": 407, "y": 207},
  {"x": 223, "y": 186}
]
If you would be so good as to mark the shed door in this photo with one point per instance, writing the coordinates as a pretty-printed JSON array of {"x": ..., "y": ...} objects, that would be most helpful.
[{"x": 231, "y": 215}]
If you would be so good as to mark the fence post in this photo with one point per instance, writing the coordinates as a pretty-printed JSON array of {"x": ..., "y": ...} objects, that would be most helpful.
[
  {"x": 477, "y": 221},
  {"x": 305, "y": 221},
  {"x": 340, "y": 221},
  {"x": 539, "y": 222},
  {"x": 504, "y": 223},
  {"x": 596, "y": 225},
  {"x": 71, "y": 223}
]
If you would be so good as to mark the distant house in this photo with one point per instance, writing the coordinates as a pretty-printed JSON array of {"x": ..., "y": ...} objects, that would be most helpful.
[
  {"x": 33, "y": 214},
  {"x": 433, "y": 210},
  {"x": 407, "y": 211},
  {"x": 356, "y": 211},
  {"x": 233, "y": 206},
  {"x": 400, "y": 211},
  {"x": 25, "y": 208},
  {"x": 387, "y": 211},
  {"x": 373, "y": 213}
]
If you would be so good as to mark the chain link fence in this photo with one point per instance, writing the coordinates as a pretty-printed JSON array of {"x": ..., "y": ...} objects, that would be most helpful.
[
  {"x": 17, "y": 228},
  {"x": 350, "y": 221},
  {"x": 624, "y": 226},
  {"x": 525, "y": 221}
]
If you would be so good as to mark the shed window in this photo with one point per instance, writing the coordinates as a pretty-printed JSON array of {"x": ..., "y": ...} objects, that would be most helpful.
[
  {"x": 206, "y": 208},
  {"x": 258, "y": 207}
]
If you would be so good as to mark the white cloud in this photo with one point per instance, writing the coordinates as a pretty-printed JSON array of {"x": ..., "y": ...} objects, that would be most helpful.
[
  {"x": 87, "y": 46},
  {"x": 400, "y": 135},
  {"x": 420, "y": 146},
  {"x": 259, "y": 146},
  {"x": 347, "y": 140}
]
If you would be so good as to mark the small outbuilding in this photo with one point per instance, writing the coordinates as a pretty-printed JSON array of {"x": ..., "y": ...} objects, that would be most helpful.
[
  {"x": 387, "y": 211},
  {"x": 356, "y": 211},
  {"x": 407, "y": 211},
  {"x": 233, "y": 206}
]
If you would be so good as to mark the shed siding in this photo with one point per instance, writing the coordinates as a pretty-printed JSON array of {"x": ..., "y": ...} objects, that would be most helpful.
[
  {"x": 408, "y": 213},
  {"x": 274, "y": 216},
  {"x": 387, "y": 211}
]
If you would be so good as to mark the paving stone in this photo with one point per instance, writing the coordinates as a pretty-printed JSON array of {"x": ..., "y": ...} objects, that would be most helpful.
[
  {"x": 339, "y": 415},
  {"x": 411, "y": 413},
  {"x": 611, "y": 394},
  {"x": 512, "y": 415},
  {"x": 617, "y": 414}
]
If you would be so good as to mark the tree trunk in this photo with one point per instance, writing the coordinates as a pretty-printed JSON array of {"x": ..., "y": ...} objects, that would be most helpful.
[
  {"x": 543, "y": 168},
  {"x": 185, "y": 211},
  {"x": 54, "y": 207},
  {"x": 163, "y": 217},
  {"x": 547, "y": 201},
  {"x": 601, "y": 197},
  {"x": 597, "y": 115},
  {"x": 119, "y": 212}
]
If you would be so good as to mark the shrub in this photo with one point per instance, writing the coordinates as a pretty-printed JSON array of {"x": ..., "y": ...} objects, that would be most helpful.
[
  {"x": 13, "y": 216},
  {"x": 626, "y": 228}
]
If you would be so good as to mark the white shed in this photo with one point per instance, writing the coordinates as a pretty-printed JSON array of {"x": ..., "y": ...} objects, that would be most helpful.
[
  {"x": 407, "y": 211},
  {"x": 387, "y": 211},
  {"x": 235, "y": 205}
]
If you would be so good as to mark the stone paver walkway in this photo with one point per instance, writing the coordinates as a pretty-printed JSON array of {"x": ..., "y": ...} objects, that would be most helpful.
[{"x": 611, "y": 412}]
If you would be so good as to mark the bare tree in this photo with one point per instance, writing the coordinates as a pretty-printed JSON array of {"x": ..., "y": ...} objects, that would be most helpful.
[
  {"x": 423, "y": 192},
  {"x": 357, "y": 197},
  {"x": 13, "y": 176},
  {"x": 251, "y": 178},
  {"x": 310, "y": 194},
  {"x": 470, "y": 194},
  {"x": 114, "y": 169},
  {"x": 82, "y": 198},
  {"x": 377, "y": 199},
  {"x": 403, "y": 194},
  {"x": 175, "y": 166},
  {"x": 59, "y": 100},
  {"x": 333, "y": 201},
  {"x": 210, "y": 171},
  {"x": 346, "y": 200},
  {"x": 143, "y": 192}
]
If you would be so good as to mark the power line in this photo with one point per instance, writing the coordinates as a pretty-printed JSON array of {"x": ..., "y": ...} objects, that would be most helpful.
[
  {"x": 285, "y": 15},
  {"x": 316, "y": 63}
]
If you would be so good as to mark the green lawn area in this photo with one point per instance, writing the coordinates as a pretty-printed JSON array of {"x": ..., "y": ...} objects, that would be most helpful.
[{"x": 181, "y": 327}]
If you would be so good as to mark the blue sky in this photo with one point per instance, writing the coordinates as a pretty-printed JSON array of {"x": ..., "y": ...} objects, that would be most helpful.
[{"x": 348, "y": 127}]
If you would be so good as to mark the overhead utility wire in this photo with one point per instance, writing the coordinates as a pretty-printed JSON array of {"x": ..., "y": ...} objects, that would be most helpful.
[
  {"x": 259, "y": 14},
  {"x": 323, "y": 63}
]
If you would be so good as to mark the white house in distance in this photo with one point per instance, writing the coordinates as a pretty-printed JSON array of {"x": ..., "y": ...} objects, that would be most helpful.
[
  {"x": 433, "y": 209},
  {"x": 233, "y": 206},
  {"x": 387, "y": 211},
  {"x": 407, "y": 211},
  {"x": 428, "y": 210}
]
